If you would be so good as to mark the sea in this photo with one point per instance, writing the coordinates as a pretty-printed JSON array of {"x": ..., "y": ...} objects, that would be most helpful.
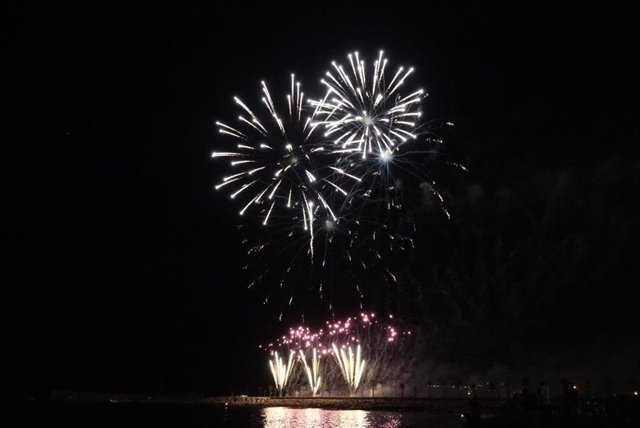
[{"x": 49, "y": 414}]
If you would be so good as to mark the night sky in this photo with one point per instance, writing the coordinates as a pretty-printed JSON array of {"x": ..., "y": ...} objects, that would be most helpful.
[{"x": 121, "y": 266}]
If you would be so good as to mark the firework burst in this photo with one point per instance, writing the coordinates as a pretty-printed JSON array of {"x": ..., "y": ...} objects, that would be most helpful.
[
  {"x": 272, "y": 163},
  {"x": 365, "y": 115},
  {"x": 327, "y": 176}
]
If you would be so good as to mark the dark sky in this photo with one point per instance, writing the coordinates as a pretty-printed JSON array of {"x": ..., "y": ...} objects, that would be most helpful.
[{"x": 121, "y": 264}]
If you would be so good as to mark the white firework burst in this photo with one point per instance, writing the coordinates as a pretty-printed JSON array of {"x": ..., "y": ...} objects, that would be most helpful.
[
  {"x": 328, "y": 176},
  {"x": 363, "y": 113},
  {"x": 273, "y": 165}
]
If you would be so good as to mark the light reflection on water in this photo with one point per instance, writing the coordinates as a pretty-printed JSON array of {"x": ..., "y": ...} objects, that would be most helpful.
[{"x": 283, "y": 417}]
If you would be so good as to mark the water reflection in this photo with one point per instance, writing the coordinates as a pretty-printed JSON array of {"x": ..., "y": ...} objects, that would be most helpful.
[{"x": 283, "y": 417}]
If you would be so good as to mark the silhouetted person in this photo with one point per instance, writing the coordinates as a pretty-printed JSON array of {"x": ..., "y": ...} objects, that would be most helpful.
[
  {"x": 527, "y": 400},
  {"x": 573, "y": 399},
  {"x": 476, "y": 411},
  {"x": 544, "y": 402},
  {"x": 570, "y": 400}
]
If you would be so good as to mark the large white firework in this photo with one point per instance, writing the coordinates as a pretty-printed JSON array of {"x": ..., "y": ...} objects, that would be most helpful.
[
  {"x": 367, "y": 115},
  {"x": 327, "y": 176},
  {"x": 273, "y": 163},
  {"x": 364, "y": 114}
]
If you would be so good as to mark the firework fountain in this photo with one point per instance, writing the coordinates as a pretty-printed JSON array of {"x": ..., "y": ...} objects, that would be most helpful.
[
  {"x": 313, "y": 372},
  {"x": 346, "y": 353},
  {"x": 352, "y": 366},
  {"x": 281, "y": 371}
]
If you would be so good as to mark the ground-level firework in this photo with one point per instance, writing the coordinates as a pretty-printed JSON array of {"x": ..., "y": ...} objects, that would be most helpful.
[
  {"x": 281, "y": 371},
  {"x": 352, "y": 365},
  {"x": 313, "y": 372},
  {"x": 345, "y": 355}
]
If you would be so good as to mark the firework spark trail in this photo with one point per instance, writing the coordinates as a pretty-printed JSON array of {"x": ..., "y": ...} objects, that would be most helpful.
[
  {"x": 313, "y": 372},
  {"x": 281, "y": 371}
]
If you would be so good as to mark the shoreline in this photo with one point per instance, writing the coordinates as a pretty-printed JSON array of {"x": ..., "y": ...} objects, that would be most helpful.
[
  {"x": 329, "y": 403},
  {"x": 355, "y": 403}
]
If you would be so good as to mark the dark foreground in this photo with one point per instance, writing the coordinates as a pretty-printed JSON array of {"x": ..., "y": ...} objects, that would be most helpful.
[
  {"x": 139, "y": 415},
  {"x": 613, "y": 412}
]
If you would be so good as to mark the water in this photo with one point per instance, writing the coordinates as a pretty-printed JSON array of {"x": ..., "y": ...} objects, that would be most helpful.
[
  {"x": 127, "y": 415},
  {"x": 281, "y": 417}
]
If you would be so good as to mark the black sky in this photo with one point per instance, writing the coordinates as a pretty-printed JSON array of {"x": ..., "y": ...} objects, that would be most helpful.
[{"x": 120, "y": 262}]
